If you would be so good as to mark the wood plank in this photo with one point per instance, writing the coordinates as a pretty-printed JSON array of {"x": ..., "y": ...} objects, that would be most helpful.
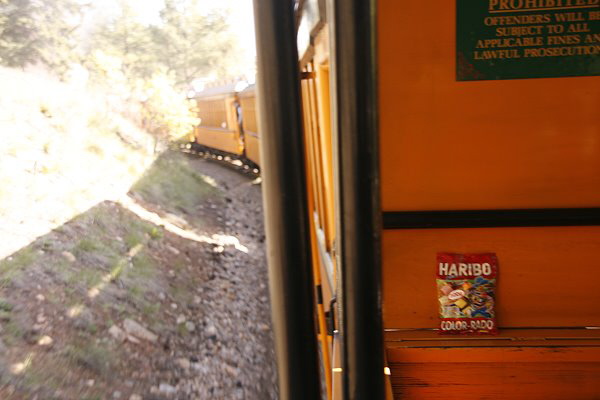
[
  {"x": 547, "y": 276},
  {"x": 495, "y": 373},
  {"x": 505, "y": 338}
]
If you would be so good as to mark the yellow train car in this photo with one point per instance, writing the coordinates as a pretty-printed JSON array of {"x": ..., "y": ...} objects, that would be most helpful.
[
  {"x": 220, "y": 120},
  {"x": 247, "y": 99},
  {"x": 402, "y": 144}
]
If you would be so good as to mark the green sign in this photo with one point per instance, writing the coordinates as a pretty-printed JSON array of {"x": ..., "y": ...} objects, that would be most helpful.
[{"x": 514, "y": 39}]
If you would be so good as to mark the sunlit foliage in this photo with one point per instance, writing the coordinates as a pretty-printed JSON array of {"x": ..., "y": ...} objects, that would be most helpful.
[
  {"x": 164, "y": 111},
  {"x": 191, "y": 44},
  {"x": 38, "y": 31},
  {"x": 148, "y": 66}
]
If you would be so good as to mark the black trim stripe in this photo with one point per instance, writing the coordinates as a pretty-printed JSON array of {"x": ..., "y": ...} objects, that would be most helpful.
[
  {"x": 319, "y": 294},
  {"x": 491, "y": 218}
]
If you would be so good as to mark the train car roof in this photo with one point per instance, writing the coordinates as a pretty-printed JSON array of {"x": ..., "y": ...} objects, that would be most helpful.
[
  {"x": 250, "y": 90},
  {"x": 217, "y": 91},
  {"x": 229, "y": 89}
]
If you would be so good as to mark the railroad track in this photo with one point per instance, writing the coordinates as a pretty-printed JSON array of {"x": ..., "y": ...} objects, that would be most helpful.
[{"x": 238, "y": 164}]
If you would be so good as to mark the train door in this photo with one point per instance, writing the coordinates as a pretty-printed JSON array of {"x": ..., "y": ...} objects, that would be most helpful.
[
  {"x": 250, "y": 125},
  {"x": 501, "y": 156},
  {"x": 234, "y": 121}
]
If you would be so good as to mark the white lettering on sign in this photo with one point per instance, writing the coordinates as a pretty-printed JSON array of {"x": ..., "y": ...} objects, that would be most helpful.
[{"x": 465, "y": 269}]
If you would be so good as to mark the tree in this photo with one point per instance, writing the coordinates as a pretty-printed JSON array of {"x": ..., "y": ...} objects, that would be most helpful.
[
  {"x": 191, "y": 44},
  {"x": 124, "y": 37},
  {"x": 38, "y": 31},
  {"x": 184, "y": 43}
]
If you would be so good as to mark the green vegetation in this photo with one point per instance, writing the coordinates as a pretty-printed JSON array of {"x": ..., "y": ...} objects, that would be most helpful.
[
  {"x": 84, "y": 277},
  {"x": 5, "y": 305},
  {"x": 133, "y": 238},
  {"x": 100, "y": 245},
  {"x": 180, "y": 294},
  {"x": 35, "y": 377},
  {"x": 144, "y": 266},
  {"x": 147, "y": 64},
  {"x": 94, "y": 357},
  {"x": 87, "y": 246},
  {"x": 184, "y": 41},
  {"x": 13, "y": 266},
  {"x": 140, "y": 280},
  {"x": 34, "y": 31},
  {"x": 138, "y": 231},
  {"x": 150, "y": 310},
  {"x": 173, "y": 184},
  {"x": 96, "y": 249},
  {"x": 156, "y": 233},
  {"x": 13, "y": 332}
]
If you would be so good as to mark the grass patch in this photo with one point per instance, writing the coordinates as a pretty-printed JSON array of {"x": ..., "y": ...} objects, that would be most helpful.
[
  {"x": 180, "y": 294},
  {"x": 39, "y": 377},
  {"x": 172, "y": 183},
  {"x": 116, "y": 270},
  {"x": 138, "y": 231},
  {"x": 102, "y": 250},
  {"x": 95, "y": 358},
  {"x": 87, "y": 246},
  {"x": 5, "y": 305},
  {"x": 150, "y": 309},
  {"x": 140, "y": 279},
  {"x": 97, "y": 249},
  {"x": 144, "y": 266},
  {"x": 5, "y": 316},
  {"x": 156, "y": 233},
  {"x": 61, "y": 269},
  {"x": 145, "y": 307},
  {"x": 182, "y": 330},
  {"x": 46, "y": 244},
  {"x": 120, "y": 309},
  {"x": 133, "y": 238},
  {"x": 12, "y": 332},
  {"x": 90, "y": 277},
  {"x": 11, "y": 267},
  {"x": 85, "y": 277}
]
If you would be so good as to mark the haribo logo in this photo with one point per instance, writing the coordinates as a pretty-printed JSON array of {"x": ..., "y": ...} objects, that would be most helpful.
[{"x": 464, "y": 269}]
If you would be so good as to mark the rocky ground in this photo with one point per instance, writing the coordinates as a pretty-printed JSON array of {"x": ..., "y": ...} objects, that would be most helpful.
[{"x": 159, "y": 294}]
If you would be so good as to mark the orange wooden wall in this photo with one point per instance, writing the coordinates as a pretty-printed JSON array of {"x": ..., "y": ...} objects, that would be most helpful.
[
  {"x": 503, "y": 144},
  {"x": 448, "y": 145},
  {"x": 546, "y": 279},
  {"x": 524, "y": 143}
]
